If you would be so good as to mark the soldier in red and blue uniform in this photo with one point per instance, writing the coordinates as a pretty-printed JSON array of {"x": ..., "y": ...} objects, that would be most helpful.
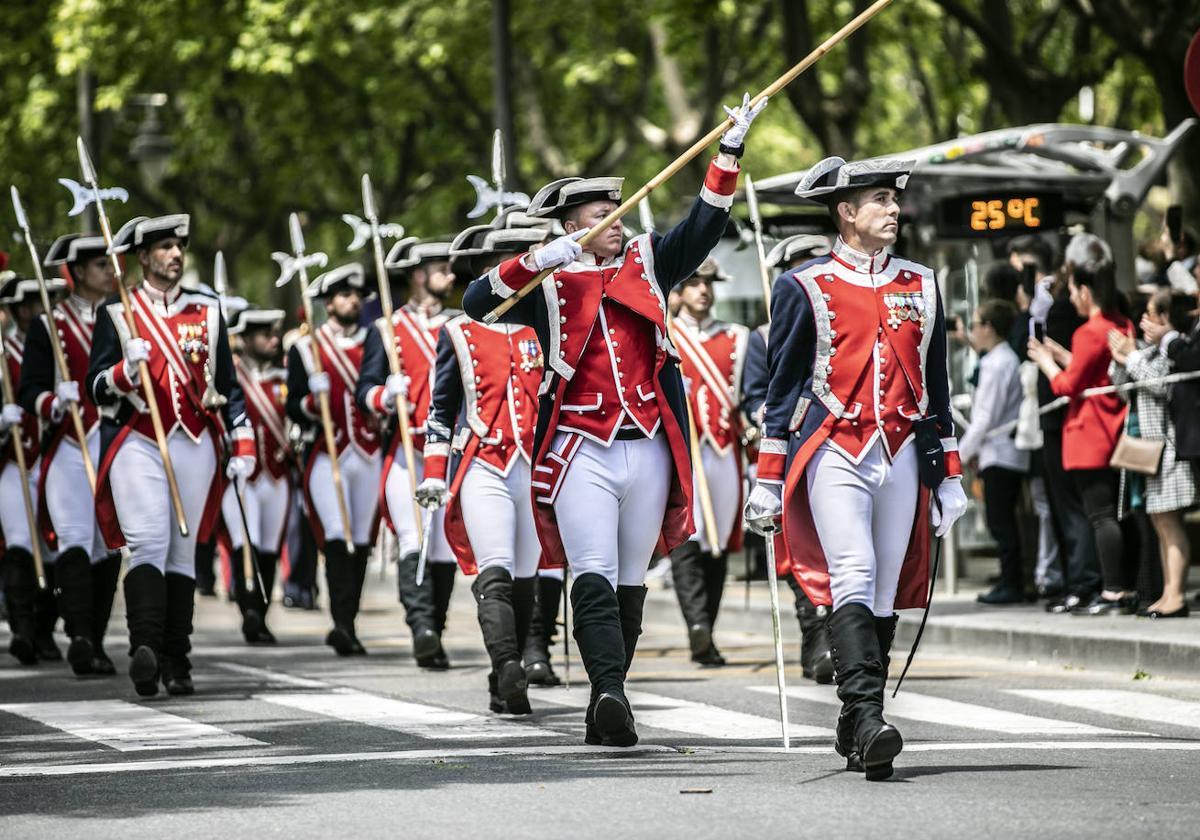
[
  {"x": 85, "y": 571},
  {"x": 611, "y": 470},
  {"x": 183, "y": 340},
  {"x": 483, "y": 411},
  {"x": 858, "y": 437}
]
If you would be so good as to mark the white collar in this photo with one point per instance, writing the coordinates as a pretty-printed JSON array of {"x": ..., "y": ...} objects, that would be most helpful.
[
  {"x": 83, "y": 307},
  {"x": 699, "y": 326},
  {"x": 858, "y": 261},
  {"x": 163, "y": 299}
]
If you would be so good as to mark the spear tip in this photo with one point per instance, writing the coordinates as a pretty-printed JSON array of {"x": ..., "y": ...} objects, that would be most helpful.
[
  {"x": 85, "y": 162},
  {"x": 297, "y": 233},
  {"x": 368, "y": 199},
  {"x": 22, "y": 222}
]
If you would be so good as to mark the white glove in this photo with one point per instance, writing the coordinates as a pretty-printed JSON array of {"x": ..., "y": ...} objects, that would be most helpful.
[
  {"x": 318, "y": 383},
  {"x": 742, "y": 116},
  {"x": 763, "y": 507},
  {"x": 240, "y": 468},
  {"x": 561, "y": 251},
  {"x": 952, "y": 502},
  {"x": 137, "y": 350},
  {"x": 431, "y": 493},
  {"x": 11, "y": 415},
  {"x": 65, "y": 393},
  {"x": 395, "y": 387}
]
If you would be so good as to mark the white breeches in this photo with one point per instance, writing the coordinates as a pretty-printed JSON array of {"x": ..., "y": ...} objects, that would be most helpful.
[
  {"x": 863, "y": 515},
  {"x": 400, "y": 508},
  {"x": 725, "y": 488},
  {"x": 360, "y": 489},
  {"x": 267, "y": 501},
  {"x": 69, "y": 501},
  {"x": 143, "y": 499},
  {"x": 13, "y": 516},
  {"x": 498, "y": 514},
  {"x": 610, "y": 507}
]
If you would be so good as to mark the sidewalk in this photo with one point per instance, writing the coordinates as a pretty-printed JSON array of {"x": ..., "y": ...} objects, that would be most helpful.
[{"x": 957, "y": 625}]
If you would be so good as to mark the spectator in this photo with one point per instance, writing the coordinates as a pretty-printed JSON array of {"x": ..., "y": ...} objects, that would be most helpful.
[
  {"x": 1093, "y": 424},
  {"x": 1183, "y": 351},
  {"x": 1001, "y": 465},
  {"x": 1050, "y": 310}
]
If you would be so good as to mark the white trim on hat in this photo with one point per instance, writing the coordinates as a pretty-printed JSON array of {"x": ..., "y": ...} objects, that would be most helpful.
[
  {"x": 258, "y": 318},
  {"x": 350, "y": 274},
  {"x": 66, "y": 248},
  {"x": 786, "y": 249}
]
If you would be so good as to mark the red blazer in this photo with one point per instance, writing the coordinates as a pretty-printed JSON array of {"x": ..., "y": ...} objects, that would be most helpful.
[{"x": 1093, "y": 424}]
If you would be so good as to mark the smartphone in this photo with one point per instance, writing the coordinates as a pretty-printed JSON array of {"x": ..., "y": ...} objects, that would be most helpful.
[
  {"x": 1175, "y": 223},
  {"x": 1039, "y": 330},
  {"x": 1028, "y": 278}
]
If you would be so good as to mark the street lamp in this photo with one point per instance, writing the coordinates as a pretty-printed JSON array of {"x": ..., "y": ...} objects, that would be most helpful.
[{"x": 151, "y": 147}]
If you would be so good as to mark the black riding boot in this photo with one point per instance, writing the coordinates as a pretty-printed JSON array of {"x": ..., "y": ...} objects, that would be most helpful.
[
  {"x": 339, "y": 578},
  {"x": 73, "y": 577},
  {"x": 601, "y": 645},
  {"x": 815, "y": 661},
  {"x": 443, "y": 575},
  {"x": 493, "y": 591},
  {"x": 46, "y": 617},
  {"x": 206, "y": 578},
  {"x": 20, "y": 595},
  {"x": 360, "y": 559},
  {"x": 631, "y": 600},
  {"x": 251, "y": 601},
  {"x": 177, "y": 634},
  {"x": 418, "y": 609},
  {"x": 104, "y": 589},
  {"x": 863, "y": 734},
  {"x": 145, "y": 615},
  {"x": 538, "y": 668},
  {"x": 688, "y": 581}
]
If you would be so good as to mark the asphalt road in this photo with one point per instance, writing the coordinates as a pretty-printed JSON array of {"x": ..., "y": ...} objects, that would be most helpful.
[{"x": 291, "y": 741}]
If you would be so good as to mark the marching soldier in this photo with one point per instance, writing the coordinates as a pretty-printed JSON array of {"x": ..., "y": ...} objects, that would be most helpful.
[
  {"x": 85, "y": 572},
  {"x": 490, "y": 375},
  {"x": 816, "y": 663},
  {"x": 267, "y": 495},
  {"x": 416, "y": 326},
  {"x": 183, "y": 343},
  {"x": 611, "y": 466},
  {"x": 340, "y": 341},
  {"x": 32, "y": 614},
  {"x": 712, "y": 354},
  {"x": 858, "y": 438}
]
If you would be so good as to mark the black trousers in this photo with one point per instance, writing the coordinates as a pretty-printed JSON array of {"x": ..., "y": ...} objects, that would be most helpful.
[
  {"x": 1119, "y": 562},
  {"x": 1076, "y": 544},
  {"x": 1001, "y": 495}
]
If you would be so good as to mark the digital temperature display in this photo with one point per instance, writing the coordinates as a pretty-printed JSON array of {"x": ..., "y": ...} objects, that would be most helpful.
[{"x": 1000, "y": 214}]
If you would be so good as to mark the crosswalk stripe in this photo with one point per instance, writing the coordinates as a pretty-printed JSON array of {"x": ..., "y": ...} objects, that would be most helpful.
[
  {"x": 128, "y": 727},
  {"x": 927, "y": 709},
  {"x": 671, "y": 714},
  {"x": 1121, "y": 703},
  {"x": 403, "y": 716},
  {"x": 271, "y": 677}
]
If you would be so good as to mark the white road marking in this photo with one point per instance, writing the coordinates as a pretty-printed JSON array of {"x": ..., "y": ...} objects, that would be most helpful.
[
  {"x": 402, "y": 716},
  {"x": 272, "y": 677},
  {"x": 669, "y": 713},
  {"x": 922, "y": 707},
  {"x": 1121, "y": 703},
  {"x": 128, "y": 727},
  {"x": 653, "y": 751}
]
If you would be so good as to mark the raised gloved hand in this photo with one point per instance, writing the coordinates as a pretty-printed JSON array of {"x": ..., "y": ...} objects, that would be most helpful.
[
  {"x": 431, "y": 493},
  {"x": 742, "y": 116},
  {"x": 10, "y": 415},
  {"x": 395, "y": 387},
  {"x": 951, "y": 503},
  {"x": 240, "y": 468},
  {"x": 137, "y": 350},
  {"x": 559, "y": 252},
  {"x": 763, "y": 508},
  {"x": 65, "y": 393},
  {"x": 318, "y": 383}
]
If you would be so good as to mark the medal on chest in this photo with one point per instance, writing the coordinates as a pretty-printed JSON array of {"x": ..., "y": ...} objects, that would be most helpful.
[
  {"x": 193, "y": 341},
  {"x": 531, "y": 354},
  {"x": 904, "y": 306}
]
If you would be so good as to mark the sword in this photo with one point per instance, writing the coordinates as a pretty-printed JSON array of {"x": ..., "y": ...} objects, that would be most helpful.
[
  {"x": 757, "y": 226},
  {"x": 296, "y": 264},
  {"x": 160, "y": 437},
  {"x": 566, "y": 630},
  {"x": 60, "y": 359},
  {"x": 777, "y": 632},
  {"x": 423, "y": 555}
]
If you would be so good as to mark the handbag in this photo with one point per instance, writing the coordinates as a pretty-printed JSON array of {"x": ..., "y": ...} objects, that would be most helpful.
[{"x": 1137, "y": 454}]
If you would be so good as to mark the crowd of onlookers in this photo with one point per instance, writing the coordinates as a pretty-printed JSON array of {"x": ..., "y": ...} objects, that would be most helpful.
[{"x": 1109, "y": 471}]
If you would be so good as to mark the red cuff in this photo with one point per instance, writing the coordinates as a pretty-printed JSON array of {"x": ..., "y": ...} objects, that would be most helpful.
[
  {"x": 375, "y": 399},
  {"x": 772, "y": 459},
  {"x": 243, "y": 447},
  {"x": 952, "y": 459},
  {"x": 435, "y": 466},
  {"x": 309, "y": 405},
  {"x": 119, "y": 380},
  {"x": 45, "y": 405},
  {"x": 721, "y": 181},
  {"x": 512, "y": 273}
]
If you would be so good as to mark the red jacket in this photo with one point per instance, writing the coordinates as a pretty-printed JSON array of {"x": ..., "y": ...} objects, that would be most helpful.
[{"x": 1093, "y": 423}]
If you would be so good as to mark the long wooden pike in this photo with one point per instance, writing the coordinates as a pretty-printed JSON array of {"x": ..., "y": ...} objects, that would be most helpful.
[
  {"x": 160, "y": 437},
  {"x": 699, "y": 146},
  {"x": 18, "y": 445},
  {"x": 60, "y": 359}
]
